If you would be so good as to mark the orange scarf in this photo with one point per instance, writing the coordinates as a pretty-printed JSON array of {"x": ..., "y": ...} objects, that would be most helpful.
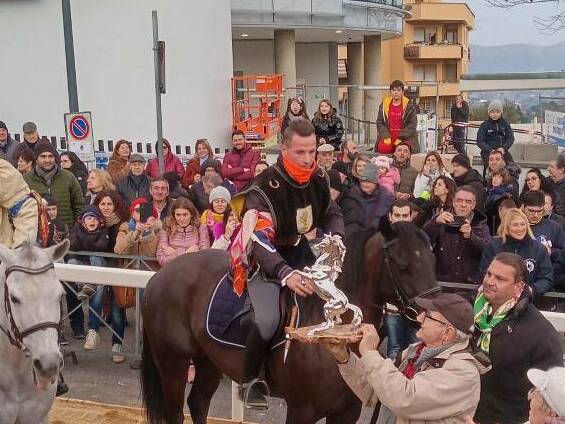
[{"x": 299, "y": 174}]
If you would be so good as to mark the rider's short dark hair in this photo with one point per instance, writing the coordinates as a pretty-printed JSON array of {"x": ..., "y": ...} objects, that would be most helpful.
[{"x": 300, "y": 126}]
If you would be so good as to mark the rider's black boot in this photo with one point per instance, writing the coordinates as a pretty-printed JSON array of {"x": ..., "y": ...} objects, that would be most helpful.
[{"x": 254, "y": 391}]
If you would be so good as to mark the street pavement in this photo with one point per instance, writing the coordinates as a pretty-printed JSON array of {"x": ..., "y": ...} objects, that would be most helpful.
[{"x": 96, "y": 378}]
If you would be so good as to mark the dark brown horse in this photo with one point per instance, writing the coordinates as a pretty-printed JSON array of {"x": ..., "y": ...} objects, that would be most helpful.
[{"x": 394, "y": 267}]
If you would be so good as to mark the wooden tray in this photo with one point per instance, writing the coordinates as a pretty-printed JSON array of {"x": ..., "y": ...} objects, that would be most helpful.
[{"x": 339, "y": 334}]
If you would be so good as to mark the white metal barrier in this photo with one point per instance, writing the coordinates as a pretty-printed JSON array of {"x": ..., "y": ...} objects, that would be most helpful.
[{"x": 139, "y": 279}]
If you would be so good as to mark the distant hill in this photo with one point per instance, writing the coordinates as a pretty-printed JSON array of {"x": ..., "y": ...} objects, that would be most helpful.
[{"x": 517, "y": 58}]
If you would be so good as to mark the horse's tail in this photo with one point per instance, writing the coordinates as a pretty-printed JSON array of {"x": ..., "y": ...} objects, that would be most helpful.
[{"x": 151, "y": 389}]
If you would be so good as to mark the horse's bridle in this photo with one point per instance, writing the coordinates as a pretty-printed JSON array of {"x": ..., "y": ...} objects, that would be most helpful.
[
  {"x": 14, "y": 334},
  {"x": 405, "y": 302}
]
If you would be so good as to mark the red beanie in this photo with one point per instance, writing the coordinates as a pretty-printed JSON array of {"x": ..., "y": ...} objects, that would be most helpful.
[{"x": 141, "y": 201}]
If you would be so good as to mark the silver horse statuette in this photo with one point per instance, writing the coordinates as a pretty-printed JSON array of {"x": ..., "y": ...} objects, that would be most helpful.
[{"x": 324, "y": 273}]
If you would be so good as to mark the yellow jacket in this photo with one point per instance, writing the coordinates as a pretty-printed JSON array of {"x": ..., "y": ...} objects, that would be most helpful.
[{"x": 16, "y": 203}]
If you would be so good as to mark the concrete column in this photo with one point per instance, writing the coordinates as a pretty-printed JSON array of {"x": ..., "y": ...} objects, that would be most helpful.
[
  {"x": 373, "y": 72},
  {"x": 333, "y": 73},
  {"x": 285, "y": 60},
  {"x": 355, "y": 77}
]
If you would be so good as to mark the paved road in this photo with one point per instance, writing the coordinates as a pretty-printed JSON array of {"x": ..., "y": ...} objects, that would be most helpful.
[{"x": 97, "y": 378}]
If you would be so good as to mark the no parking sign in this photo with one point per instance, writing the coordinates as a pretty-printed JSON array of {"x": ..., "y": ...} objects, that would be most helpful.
[{"x": 78, "y": 127}]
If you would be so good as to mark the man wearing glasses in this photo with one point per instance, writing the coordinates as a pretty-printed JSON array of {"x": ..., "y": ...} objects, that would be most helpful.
[
  {"x": 458, "y": 237},
  {"x": 436, "y": 379},
  {"x": 545, "y": 230}
]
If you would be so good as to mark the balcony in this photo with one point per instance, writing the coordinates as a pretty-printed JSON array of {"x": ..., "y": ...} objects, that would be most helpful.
[
  {"x": 372, "y": 16},
  {"x": 442, "y": 12},
  {"x": 434, "y": 51},
  {"x": 445, "y": 89}
]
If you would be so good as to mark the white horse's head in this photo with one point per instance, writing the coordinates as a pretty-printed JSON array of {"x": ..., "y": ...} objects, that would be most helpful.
[{"x": 34, "y": 295}]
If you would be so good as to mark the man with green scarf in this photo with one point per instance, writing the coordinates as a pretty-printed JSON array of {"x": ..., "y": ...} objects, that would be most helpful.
[{"x": 515, "y": 335}]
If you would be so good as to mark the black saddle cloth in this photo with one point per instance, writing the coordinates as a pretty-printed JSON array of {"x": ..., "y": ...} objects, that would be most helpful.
[{"x": 226, "y": 311}]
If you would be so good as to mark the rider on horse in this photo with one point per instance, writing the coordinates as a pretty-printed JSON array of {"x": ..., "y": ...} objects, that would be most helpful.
[{"x": 295, "y": 194}]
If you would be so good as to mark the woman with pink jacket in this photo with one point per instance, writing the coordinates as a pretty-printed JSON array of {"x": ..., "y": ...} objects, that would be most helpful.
[{"x": 182, "y": 232}]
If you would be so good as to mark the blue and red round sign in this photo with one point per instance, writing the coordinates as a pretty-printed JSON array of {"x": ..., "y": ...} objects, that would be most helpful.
[{"x": 79, "y": 127}]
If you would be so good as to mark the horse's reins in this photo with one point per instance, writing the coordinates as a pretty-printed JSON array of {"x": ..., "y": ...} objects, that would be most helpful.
[
  {"x": 405, "y": 302},
  {"x": 15, "y": 336}
]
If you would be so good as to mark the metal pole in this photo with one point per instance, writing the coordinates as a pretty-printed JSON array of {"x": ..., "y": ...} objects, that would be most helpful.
[
  {"x": 158, "y": 93},
  {"x": 137, "y": 329},
  {"x": 70, "y": 56}
]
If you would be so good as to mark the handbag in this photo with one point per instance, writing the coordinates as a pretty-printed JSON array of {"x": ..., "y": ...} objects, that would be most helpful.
[{"x": 124, "y": 297}]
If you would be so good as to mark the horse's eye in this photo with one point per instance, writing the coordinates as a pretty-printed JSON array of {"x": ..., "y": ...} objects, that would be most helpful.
[{"x": 14, "y": 300}]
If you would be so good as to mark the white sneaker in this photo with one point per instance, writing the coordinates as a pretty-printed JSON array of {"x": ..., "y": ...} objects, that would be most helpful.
[
  {"x": 92, "y": 339},
  {"x": 117, "y": 356}
]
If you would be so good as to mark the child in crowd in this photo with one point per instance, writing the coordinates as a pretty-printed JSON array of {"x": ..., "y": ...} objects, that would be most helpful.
[
  {"x": 58, "y": 230},
  {"x": 219, "y": 201},
  {"x": 389, "y": 176},
  {"x": 89, "y": 235},
  {"x": 495, "y": 134},
  {"x": 498, "y": 189},
  {"x": 499, "y": 186},
  {"x": 136, "y": 237},
  {"x": 296, "y": 108},
  {"x": 182, "y": 232}
]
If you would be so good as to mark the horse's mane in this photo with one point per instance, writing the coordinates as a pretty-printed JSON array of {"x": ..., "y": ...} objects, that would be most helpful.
[{"x": 352, "y": 276}]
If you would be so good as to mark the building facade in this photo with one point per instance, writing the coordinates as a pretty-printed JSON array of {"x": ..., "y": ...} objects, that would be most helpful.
[
  {"x": 300, "y": 39},
  {"x": 432, "y": 53},
  {"x": 115, "y": 71}
]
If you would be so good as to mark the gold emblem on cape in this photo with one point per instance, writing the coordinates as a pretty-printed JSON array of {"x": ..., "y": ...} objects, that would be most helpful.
[{"x": 304, "y": 219}]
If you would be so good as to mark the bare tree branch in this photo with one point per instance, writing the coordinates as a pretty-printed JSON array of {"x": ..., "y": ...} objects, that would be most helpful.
[
  {"x": 546, "y": 26},
  {"x": 550, "y": 25},
  {"x": 507, "y": 4}
]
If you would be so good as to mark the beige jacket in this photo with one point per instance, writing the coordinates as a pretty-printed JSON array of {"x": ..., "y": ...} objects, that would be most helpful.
[
  {"x": 132, "y": 243},
  {"x": 13, "y": 193},
  {"x": 439, "y": 394}
]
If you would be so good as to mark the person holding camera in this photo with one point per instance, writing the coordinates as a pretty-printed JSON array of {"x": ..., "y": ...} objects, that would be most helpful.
[
  {"x": 139, "y": 235},
  {"x": 458, "y": 237}
]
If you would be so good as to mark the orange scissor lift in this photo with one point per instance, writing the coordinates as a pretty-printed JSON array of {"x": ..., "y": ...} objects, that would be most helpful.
[{"x": 256, "y": 107}]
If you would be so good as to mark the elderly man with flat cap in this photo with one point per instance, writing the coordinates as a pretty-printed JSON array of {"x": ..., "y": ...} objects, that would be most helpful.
[
  {"x": 434, "y": 380},
  {"x": 326, "y": 158}
]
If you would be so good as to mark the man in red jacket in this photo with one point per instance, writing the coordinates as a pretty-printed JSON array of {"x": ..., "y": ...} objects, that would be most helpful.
[{"x": 239, "y": 164}]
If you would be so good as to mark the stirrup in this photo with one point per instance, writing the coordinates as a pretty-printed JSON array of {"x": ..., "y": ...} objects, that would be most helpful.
[{"x": 262, "y": 387}]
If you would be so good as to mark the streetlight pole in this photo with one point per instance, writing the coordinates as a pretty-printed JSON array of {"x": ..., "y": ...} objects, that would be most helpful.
[
  {"x": 158, "y": 91},
  {"x": 70, "y": 56}
]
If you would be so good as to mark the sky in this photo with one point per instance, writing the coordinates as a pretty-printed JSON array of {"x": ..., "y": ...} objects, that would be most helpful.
[{"x": 495, "y": 26}]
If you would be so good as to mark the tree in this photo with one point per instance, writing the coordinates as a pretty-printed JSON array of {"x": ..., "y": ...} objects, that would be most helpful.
[
  {"x": 548, "y": 25},
  {"x": 512, "y": 112}
]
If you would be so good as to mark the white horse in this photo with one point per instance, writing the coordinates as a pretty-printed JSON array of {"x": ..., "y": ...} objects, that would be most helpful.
[{"x": 30, "y": 360}]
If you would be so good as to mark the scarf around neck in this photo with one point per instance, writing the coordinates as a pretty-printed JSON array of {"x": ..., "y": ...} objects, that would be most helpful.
[
  {"x": 486, "y": 319},
  {"x": 297, "y": 173},
  {"x": 111, "y": 220},
  {"x": 47, "y": 175}
]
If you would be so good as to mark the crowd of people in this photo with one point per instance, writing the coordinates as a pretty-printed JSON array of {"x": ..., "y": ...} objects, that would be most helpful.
[{"x": 477, "y": 225}]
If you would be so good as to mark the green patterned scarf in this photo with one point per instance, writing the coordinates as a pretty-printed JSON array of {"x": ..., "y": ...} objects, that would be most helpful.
[{"x": 483, "y": 310}]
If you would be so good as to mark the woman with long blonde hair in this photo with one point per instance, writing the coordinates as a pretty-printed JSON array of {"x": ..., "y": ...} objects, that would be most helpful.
[
  {"x": 202, "y": 152},
  {"x": 98, "y": 181},
  {"x": 432, "y": 168},
  {"x": 515, "y": 236}
]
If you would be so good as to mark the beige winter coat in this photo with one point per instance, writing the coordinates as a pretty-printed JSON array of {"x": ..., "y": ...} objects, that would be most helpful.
[
  {"x": 441, "y": 392},
  {"x": 133, "y": 243},
  {"x": 13, "y": 194}
]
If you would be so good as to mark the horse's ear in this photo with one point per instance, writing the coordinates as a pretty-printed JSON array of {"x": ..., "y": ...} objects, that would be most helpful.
[
  {"x": 6, "y": 254},
  {"x": 59, "y": 250}
]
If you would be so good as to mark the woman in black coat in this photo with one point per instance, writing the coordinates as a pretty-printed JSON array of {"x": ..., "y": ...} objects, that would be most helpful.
[
  {"x": 71, "y": 162},
  {"x": 328, "y": 126}
]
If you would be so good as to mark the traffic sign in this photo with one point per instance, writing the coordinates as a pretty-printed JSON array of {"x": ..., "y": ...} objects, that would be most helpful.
[{"x": 80, "y": 140}]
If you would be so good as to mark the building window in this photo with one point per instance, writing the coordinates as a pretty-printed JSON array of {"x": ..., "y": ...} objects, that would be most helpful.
[
  {"x": 425, "y": 73},
  {"x": 427, "y": 105},
  {"x": 450, "y": 72},
  {"x": 425, "y": 35},
  {"x": 451, "y": 35}
]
